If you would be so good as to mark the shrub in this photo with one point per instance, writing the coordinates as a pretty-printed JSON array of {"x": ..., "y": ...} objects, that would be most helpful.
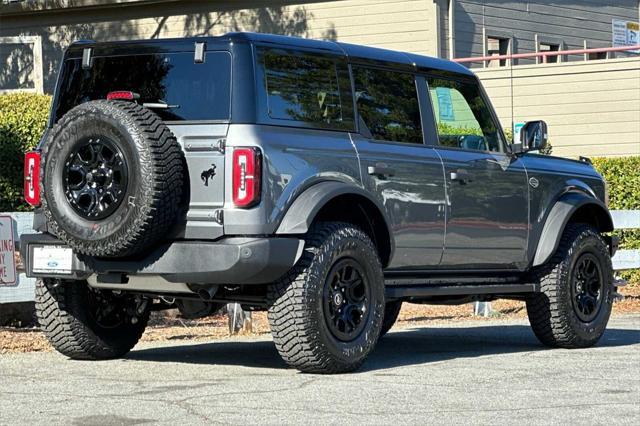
[
  {"x": 23, "y": 117},
  {"x": 623, "y": 178}
]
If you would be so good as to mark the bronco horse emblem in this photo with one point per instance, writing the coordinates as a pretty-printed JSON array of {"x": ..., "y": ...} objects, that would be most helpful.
[{"x": 207, "y": 174}]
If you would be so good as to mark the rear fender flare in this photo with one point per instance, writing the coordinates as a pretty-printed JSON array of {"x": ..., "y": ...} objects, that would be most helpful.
[{"x": 306, "y": 206}]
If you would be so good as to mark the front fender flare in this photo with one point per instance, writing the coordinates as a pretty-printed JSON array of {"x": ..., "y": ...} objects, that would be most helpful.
[{"x": 559, "y": 216}]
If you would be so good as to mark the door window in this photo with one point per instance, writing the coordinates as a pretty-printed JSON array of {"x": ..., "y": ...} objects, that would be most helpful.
[
  {"x": 463, "y": 117},
  {"x": 387, "y": 104}
]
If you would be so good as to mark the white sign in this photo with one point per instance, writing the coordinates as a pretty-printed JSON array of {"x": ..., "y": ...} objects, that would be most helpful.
[
  {"x": 625, "y": 33},
  {"x": 52, "y": 259},
  {"x": 516, "y": 132},
  {"x": 7, "y": 252}
]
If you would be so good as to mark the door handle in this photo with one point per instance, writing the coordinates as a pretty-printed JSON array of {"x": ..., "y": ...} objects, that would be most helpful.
[
  {"x": 460, "y": 175},
  {"x": 381, "y": 170}
]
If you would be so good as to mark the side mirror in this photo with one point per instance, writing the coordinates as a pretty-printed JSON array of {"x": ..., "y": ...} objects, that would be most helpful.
[{"x": 533, "y": 136}]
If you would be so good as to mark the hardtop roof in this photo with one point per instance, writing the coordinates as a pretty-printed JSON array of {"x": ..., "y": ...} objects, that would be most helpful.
[{"x": 353, "y": 51}]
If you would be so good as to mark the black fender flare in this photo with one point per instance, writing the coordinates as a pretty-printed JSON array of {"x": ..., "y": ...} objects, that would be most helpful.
[
  {"x": 559, "y": 216},
  {"x": 306, "y": 206}
]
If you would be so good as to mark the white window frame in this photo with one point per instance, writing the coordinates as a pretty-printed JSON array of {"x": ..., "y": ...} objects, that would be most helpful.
[
  {"x": 595, "y": 45},
  {"x": 498, "y": 35},
  {"x": 38, "y": 75},
  {"x": 550, "y": 41}
]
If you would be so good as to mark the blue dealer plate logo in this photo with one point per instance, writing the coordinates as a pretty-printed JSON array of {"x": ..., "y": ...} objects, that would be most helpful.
[{"x": 52, "y": 264}]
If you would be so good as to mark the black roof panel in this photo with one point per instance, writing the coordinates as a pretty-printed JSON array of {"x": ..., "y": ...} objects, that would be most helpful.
[{"x": 354, "y": 51}]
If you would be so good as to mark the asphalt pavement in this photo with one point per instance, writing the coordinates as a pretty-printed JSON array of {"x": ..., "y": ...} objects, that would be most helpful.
[{"x": 462, "y": 373}]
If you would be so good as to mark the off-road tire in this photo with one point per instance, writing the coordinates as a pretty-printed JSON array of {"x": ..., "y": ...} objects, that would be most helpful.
[
  {"x": 551, "y": 313},
  {"x": 296, "y": 312},
  {"x": 391, "y": 312},
  {"x": 155, "y": 163},
  {"x": 62, "y": 311}
]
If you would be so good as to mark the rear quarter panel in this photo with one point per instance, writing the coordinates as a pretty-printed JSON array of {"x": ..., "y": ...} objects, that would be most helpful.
[{"x": 293, "y": 160}]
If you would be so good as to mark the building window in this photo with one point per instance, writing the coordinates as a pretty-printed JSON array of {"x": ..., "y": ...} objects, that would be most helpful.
[
  {"x": 497, "y": 46},
  {"x": 597, "y": 55},
  {"x": 549, "y": 47}
]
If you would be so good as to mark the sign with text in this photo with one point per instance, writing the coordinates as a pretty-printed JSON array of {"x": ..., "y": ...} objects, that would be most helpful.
[
  {"x": 7, "y": 252},
  {"x": 516, "y": 132},
  {"x": 625, "y": 33}
]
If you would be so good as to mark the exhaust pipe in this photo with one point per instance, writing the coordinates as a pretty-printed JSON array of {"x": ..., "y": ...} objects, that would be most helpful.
[{"x": 207, "y": 293}]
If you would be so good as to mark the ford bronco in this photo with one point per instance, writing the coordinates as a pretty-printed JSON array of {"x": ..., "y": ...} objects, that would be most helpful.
[{"x": 326, "y": 183}]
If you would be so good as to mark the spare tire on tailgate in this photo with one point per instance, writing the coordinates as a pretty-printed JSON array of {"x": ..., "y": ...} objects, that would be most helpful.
[{"x": 112, "y": 177}]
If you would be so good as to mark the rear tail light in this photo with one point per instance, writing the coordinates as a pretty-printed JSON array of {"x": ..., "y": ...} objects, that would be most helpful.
[
  {"x": 32, "y": 178},
  {"x": 247, "y": 169},
  {"x": 122, "y": 95}
]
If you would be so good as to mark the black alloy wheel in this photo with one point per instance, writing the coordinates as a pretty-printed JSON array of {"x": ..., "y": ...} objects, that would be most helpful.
[
  {"x": 346, "y": 300},
  {"x": 95, "y": 178},
  {"x": 108, "y": 310},
  {"x": 586, "y": 287},
  {"x": 326, "y": 313},
  {"x": 575, "y": 300},
  {"x": 86, "y": 323}
]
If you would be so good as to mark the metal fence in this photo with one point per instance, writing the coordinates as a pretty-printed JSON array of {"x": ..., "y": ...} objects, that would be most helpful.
[{"x": 628, "y": 258}]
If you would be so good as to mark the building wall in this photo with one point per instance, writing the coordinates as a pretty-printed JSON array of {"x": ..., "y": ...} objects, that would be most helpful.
[
  {"x": 592, "y": 108},
  {"x": 593, "y": 104},
  {"x": 568, "y": 21},
  {"x": 394, "y": 24}
]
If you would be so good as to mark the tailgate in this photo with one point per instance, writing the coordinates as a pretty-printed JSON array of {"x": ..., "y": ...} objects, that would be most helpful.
[{"x": 203, "y": 146}]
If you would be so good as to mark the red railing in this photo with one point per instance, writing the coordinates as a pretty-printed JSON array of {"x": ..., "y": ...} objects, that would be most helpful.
[{"x": 545, "y": 55}]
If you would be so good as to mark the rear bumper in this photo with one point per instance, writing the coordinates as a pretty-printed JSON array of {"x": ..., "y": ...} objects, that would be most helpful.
[{"x": 227, "y": 261}]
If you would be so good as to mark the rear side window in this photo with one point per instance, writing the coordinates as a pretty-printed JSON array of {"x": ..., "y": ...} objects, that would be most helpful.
[
  {"x": 312, "y": 90},
  {"x": 387, "y": 103},
  {"x": 193, "y": 91}
]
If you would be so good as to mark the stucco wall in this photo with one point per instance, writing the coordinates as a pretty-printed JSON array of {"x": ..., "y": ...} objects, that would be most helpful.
[{"x": 592, "y": 108}]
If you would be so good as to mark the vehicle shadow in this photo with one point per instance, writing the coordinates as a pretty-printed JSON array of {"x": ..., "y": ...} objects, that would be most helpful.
[{"x": 398, "y": 348}]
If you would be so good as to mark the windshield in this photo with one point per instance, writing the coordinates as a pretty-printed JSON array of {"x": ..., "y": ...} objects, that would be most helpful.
[{"x": 191, "y": 91}]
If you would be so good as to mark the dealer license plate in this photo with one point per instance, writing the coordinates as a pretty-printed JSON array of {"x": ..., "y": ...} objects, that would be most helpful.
[{"x": 52, "y": 260}]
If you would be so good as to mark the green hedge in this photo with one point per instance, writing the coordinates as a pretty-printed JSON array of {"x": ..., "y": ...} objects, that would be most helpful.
[
  {"x": 623, "y": 177},
  {"x": 23, "y": 117}
]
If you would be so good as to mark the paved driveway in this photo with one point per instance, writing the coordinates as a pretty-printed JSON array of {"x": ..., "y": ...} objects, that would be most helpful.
[{"x": 454, "y": 374}]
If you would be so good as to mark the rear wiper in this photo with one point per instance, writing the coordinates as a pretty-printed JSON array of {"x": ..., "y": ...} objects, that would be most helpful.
[{"x": 159, "y": 105}]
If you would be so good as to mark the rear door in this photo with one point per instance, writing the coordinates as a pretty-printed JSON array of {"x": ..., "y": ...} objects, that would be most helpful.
[
  {"x": 403, "y": 172},
  {"x": 487, "y": 190}
]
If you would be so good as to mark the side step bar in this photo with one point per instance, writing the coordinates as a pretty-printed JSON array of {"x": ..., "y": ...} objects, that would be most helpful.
[{"x": 397, "y": 292}]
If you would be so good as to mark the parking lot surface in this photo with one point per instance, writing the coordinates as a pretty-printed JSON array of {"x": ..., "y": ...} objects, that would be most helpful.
[{"x": 457, "y": 373}]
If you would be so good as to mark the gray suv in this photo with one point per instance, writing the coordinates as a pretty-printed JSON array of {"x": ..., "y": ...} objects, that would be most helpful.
[{"x": 323, "y": 182}]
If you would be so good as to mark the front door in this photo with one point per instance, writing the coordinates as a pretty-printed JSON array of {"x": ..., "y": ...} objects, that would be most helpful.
[
  {"x": 487, "y": 190},
  {"x": 404, "y": 174}
]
